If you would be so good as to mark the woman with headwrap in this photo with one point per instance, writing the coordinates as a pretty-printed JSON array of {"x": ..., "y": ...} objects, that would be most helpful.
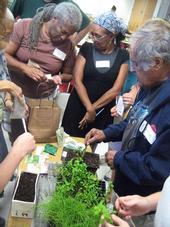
[
  {"x": 41, "y": 46},
  {"x": 100, "y": 71}
]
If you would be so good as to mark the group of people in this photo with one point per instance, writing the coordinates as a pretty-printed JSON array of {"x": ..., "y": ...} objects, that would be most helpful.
[
  {"x": 141, "y": 165},
  {"x": 41, "y": 51}
]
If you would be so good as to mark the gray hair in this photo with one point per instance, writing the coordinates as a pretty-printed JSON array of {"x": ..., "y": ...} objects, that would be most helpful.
[
  {"x": 66, "y": 12},
  {"x": 150, "y": 42}
]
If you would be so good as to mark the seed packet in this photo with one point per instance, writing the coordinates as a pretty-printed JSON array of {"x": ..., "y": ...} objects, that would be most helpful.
[{"x": 50, "y": 149}]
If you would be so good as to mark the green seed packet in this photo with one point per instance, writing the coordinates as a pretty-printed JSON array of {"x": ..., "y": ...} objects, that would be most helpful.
[{"x": 50, "y": 149}]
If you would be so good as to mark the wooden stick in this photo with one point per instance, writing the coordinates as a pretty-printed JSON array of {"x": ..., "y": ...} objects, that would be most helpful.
[{"x": 130, "y": 219}]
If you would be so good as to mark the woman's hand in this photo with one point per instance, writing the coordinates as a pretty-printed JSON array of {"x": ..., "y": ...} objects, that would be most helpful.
[
  {"x": 57, "y": 79},
  {"x": 89, "y": 117},
  {"x": 114, "y": 112},
  {"x": 128, "y": 99},
  {"x": 34, "y": 73}
]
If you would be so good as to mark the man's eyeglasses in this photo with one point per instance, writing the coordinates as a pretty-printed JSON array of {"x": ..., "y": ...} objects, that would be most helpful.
[{"x": 96, "y": 37}]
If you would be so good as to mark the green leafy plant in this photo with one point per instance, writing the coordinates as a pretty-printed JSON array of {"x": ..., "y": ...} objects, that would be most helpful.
[
  {"x": 101, "y": 211},
  {"x": 77, "y": 201},
  {"x": 69, "y": 211}
]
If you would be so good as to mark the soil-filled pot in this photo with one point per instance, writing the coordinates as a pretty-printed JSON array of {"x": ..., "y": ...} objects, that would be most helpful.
[
  {"x": 92, "y": 160},
  {"x": 24, "y": 198}
]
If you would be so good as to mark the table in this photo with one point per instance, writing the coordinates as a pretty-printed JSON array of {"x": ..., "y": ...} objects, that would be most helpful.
[{"x": 25, "y": 222}]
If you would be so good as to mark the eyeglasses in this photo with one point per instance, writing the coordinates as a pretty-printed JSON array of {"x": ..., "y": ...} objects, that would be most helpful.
[{"x": 96, "y": 37}]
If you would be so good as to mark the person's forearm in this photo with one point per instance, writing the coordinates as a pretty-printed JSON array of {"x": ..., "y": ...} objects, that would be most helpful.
[
  {"x": 80, "y": 35},
  {"x": 82, "y": 92},
  {"x": 153, "y": 201},
  {"x": 8, "y": 166},
  {"x": 114, "y": 90},
  {"x": 14, "y": 63},
  {"x": 66, "y": 77},
  {"x": 5, "y": 85},
  {"x": 106, "y": 98}
]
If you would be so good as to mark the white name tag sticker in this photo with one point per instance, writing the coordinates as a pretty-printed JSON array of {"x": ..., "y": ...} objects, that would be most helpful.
[
  {"x": 143, "y": 125},
  {"x": 120, "y": 106},
  {"x": 102, "y": 64},
  {"x": 149, "y": 134},
  {"x": 59, "y": 54}
]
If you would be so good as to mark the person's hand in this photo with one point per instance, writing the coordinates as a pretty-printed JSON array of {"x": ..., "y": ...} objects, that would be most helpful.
[
  {"x": 14, "y": 90},
  {"x": 24, "y": 144},
  {"x": 89, "y": 117},
  {"x": 57, "y": 79},
  {"x": 34, "y": 73},
  {"x": 133, "y": 205},
  {"x": 128, "y": 99},
  {"x": 95, "y": 135},
  {"x": 109, "y": 157},
  {"x": 116, "y": 222},
  {"x": 9, "y": 104},
  {"x": 114, "y": 112}
]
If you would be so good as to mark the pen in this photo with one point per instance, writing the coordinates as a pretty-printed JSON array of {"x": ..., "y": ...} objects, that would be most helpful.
[
  {"x": 24, "y": 124},
  {"x": 99, "y": 112}
]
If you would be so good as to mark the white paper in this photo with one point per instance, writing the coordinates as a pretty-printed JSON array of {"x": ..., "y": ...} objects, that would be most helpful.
[
  {"x": 48, "y": 76},
  {"x": 39, "y": 150},
  {"x": 120, "y": 106},
  {"x": 64, "y": 154}
]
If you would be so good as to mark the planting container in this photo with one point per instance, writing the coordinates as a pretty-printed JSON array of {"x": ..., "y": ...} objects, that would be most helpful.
[{"x": 24, "y": 198}]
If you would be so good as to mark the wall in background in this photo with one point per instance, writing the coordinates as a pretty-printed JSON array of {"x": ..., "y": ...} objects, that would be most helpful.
[
  {"x": 124, "y": 8},
  {"x": 95, "y": 7},
  {"x": 163, "y": 9}
]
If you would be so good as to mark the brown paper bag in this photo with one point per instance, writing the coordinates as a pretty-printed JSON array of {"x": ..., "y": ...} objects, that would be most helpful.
[{"x": 44, "y": 118}]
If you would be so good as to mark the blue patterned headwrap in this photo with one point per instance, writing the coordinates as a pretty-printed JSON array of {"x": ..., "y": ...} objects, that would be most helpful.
[{"x": 110, "y": 21}]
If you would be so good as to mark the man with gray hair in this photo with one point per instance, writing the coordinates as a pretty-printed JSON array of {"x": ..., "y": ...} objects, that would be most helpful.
[
  {"x": 40, "y": 49},
  {"x": 142, "y": 164}
]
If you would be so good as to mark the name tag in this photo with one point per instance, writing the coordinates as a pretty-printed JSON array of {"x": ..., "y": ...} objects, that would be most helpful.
[
  {"x": 148, "y": 132},
  {"x": 59, "y": 54},
  {"x": 102, "y": 64}
]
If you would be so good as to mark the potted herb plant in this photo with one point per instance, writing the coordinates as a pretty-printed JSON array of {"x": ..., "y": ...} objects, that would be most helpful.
[{"x": 78, "y": 201}]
